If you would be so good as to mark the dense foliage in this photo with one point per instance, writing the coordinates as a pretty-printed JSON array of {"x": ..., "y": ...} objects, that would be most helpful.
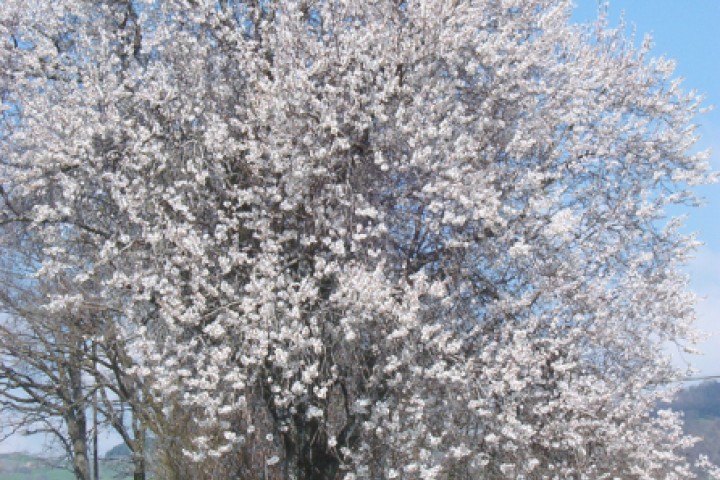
[{"x": 364, "y": 239}]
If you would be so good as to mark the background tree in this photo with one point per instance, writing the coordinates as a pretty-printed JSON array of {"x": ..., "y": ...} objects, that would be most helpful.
[
  {"x": 59, "y": 364},
  {"x": 368, "y": 239},
  {"x": 59, "y": 355},
  {"x": 42, "y": 389}
]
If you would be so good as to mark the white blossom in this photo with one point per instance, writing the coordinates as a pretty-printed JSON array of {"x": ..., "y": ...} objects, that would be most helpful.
[{"x": 409, "y": 236}]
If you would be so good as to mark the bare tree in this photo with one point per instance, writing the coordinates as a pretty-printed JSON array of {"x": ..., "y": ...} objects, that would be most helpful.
[{"x": 43, "y": 354}]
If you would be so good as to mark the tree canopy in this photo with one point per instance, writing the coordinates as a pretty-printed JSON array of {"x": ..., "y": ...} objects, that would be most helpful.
[{"x": 364, "y": 239}]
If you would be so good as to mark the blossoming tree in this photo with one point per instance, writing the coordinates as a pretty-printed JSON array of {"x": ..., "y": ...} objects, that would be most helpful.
[{"x": 367, "y": 239}]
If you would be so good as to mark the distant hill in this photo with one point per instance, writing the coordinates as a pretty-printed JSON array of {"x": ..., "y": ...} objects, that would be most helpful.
[
  {"x": 118, "y": 451},
  {"x": 700, "y": 405},
  {"x": 122, "y": 451},
  {"x": 699, "y": 401}
]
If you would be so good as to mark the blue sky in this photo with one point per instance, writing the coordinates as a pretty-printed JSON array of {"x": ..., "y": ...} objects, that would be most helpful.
[{"x": 689, "y": 32}]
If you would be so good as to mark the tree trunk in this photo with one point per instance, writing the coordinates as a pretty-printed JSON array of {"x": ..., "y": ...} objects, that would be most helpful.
[
  {"x": 138, "y": 456},
  {"x": 81, "y": 465},
  {"x": 307, "y": 454},
  {"x": 75, "y": 416}
]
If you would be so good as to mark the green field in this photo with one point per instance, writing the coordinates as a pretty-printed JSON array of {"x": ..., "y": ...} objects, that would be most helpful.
[{"x": 18, "y": 466}]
